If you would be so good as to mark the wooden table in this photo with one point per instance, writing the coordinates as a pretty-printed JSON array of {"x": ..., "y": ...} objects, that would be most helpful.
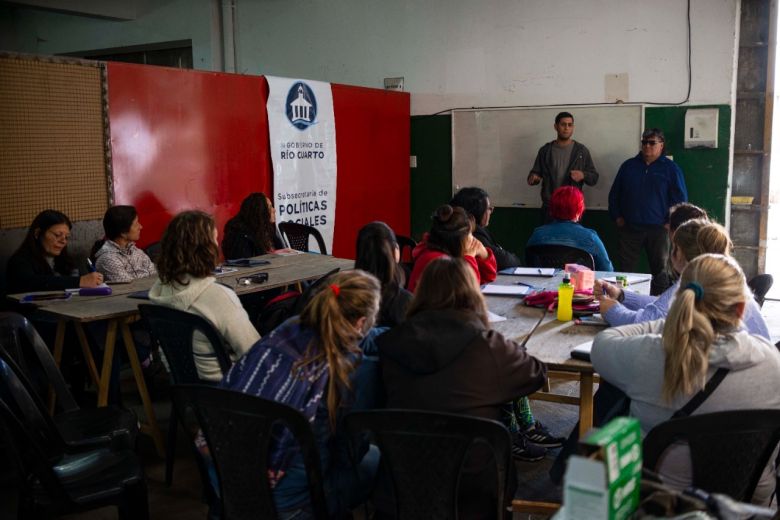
[
  {"x": 553, "y": 340},
  {"x": 120, "y": 311}
]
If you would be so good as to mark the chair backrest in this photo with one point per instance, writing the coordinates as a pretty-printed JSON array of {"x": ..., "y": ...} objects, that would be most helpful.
[
  {"x": 153, "y": 251},
  {"x": 28, "y": 409},
  {"x": 552, "y": 255},
  {"x": 298, "y": 236},
  {"x": 405, "y": 245},
  {"x": 729, "y": 450},
  {"x": 34, "y": 462},
  {"x": 424, "y": 453},
  {"x": 173, "y": 329},
  {"x": 20, "y": 340},
  {"x": 239, "y": 429},
  {"x": 760, "y": 285}
]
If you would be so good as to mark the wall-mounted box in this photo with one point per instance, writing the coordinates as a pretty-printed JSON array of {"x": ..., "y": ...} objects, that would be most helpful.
[{"x": 701, "y": 128}]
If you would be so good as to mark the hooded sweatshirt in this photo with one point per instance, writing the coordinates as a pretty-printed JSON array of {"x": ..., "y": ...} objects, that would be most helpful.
[
  {"x": 632, "y": 358},
  {"x": 449, "y": 361},
  {"x": 220, "y": 306}
]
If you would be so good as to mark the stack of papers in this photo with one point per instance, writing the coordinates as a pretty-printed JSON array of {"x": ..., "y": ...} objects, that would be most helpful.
[
  {"x": 632, "y": 278},
  {"x": 505, "y": 290}
]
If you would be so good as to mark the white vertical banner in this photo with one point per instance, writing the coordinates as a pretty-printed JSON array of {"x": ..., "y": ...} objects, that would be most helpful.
[{"x": 303, "y": 151}]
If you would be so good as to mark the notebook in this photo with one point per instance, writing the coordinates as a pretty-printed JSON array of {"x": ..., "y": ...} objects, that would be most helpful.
[
  {"x": 582, "y": 351},
  {"x": 505, "y": 290},
  {"x": 529, "y": 271}
]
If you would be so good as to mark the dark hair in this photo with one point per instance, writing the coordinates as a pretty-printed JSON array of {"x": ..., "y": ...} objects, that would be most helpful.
[
  {"x": 375, "y": 254},
  {"x": 118, "y": 220},
  {"x": 187, "y": 248},
  {"x": 562, "y": 115},
  {"x": 31, "y": 245},
  {"x": 683, "y": 212},
  {"x": 253, "y": 216},
  {"x": 654, "y": 132},
  {"x": 449, "y": 230},
  {"x": 473, "y": 200},
  {"x": 567, "y": 203},
  {"x": 449, "y": 284}
]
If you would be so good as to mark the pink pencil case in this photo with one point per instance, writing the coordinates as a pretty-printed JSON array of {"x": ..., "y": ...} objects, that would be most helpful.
[{"x": 95, "y": 291}]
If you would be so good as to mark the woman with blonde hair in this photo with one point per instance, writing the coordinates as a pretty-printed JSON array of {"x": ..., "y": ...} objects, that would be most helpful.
[
  {"x": 661, "y": 364},
  {"x": 691, "y": 239},
  {"x": 446, "y": 358},
  {"x": 188, "y": 257},
  {"x": 321, "y": 359},
  {"x": 451, "y": 235}
]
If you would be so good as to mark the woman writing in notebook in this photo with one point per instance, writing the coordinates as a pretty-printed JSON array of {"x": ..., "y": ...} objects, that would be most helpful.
[
  {"x": 42, "y": 262},
  {"x": 661, "y": 364},
  {"x": 691, "y": 239}
]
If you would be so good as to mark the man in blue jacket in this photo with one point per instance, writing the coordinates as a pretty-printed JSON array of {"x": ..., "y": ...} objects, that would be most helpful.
[{"x": 644, "y": 189}]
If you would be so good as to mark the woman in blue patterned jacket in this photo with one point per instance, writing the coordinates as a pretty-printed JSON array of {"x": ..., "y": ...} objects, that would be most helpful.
[{"x": 323, "y": 361}]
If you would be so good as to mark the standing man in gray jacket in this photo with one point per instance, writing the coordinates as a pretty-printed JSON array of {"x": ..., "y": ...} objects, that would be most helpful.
[{"x": 562, "y": 162}]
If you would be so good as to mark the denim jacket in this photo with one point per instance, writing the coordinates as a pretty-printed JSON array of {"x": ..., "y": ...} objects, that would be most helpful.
[{"x": 572, "y": 234}]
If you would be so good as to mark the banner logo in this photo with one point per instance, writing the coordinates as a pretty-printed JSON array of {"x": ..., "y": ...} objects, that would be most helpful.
[{"x": 301, "y": 106}]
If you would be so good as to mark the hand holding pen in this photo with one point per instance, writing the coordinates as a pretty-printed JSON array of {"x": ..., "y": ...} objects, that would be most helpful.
[
  {"x": 93, "y": 278},
  {"x": 603, "y": 288}
]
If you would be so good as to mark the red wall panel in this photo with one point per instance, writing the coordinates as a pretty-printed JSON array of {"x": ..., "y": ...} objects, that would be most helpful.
[
  {"x": 372, "y": 147},
  {"x": 186, "y": 139}
]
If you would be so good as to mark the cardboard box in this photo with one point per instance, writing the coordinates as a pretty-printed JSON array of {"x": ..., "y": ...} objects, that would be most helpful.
[{"x": 604, "y": 481}]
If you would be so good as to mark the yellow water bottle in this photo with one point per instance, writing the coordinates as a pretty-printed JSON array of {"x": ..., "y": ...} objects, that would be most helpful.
[{"x": 565, "y": 295}]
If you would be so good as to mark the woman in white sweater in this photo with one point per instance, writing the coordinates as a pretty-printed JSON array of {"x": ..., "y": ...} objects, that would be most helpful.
[
  {"x": 662, "y": 365},
  {"x": 188, "y": 257}
]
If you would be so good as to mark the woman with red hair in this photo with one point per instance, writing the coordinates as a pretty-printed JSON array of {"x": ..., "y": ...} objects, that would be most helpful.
[{"x": 566, "y": 208}]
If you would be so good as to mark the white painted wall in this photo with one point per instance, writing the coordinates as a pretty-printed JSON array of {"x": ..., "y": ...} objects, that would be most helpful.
[
  {"x": 462, "y": 53},
  {"x": 452, "y": 53}
]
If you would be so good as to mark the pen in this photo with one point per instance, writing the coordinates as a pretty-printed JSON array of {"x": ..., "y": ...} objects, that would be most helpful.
[
  {"x": 526, "y": 284},
  {"x": 90, "y": 265},
  {"x": 540, "y": 271}
]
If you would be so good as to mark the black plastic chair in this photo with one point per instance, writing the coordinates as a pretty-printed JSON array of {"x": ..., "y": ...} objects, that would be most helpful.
[
  {"x": 729, "y": 450},
  {"x": 239, "y": 429},
  {"x": 760, "y": 285},
  {"x": 153, "y": 251},
  {"x": 423, "y": 453},
  {"x": 81, "y": 428},
  {"x": 173, "y": 330},
  {"x": 56, "y": 482},
  {"x": 298, "y": 236},
  {"x": 551, "y": 255}
]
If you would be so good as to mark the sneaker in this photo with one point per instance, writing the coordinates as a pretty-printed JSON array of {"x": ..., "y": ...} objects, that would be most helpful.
[
  {"x": 523, "y": 450},
  {"x": 539, "y": 435}
]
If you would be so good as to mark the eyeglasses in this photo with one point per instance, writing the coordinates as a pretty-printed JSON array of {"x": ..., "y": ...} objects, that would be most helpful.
[
  {"x": 651, "y": 142},
  {"x": 246, "y": 281},
  {"x": 60, "y": 237}
]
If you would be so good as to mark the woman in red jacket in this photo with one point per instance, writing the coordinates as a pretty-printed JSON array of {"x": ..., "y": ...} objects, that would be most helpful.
[{"x": 451, "y": 235}]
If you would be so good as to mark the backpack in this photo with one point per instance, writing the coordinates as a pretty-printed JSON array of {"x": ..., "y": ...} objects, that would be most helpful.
[{"x": 287, "y": 305}]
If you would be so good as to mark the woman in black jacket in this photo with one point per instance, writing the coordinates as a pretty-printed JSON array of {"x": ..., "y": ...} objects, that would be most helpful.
[
  {"x": 252, "y": 232},
  {"x": 445, "y": 358},
  {"x": 377, "y": 252},
  {"x": 43, "y": 263}
]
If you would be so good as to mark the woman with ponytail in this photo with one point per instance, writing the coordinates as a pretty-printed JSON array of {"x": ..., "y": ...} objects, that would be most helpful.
[
  {"x": 691, "y": 239},
  {"x": 662, "y": 365},
  {"x": 322, "y": 361},
  {"x": 451, "y": 235}
]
